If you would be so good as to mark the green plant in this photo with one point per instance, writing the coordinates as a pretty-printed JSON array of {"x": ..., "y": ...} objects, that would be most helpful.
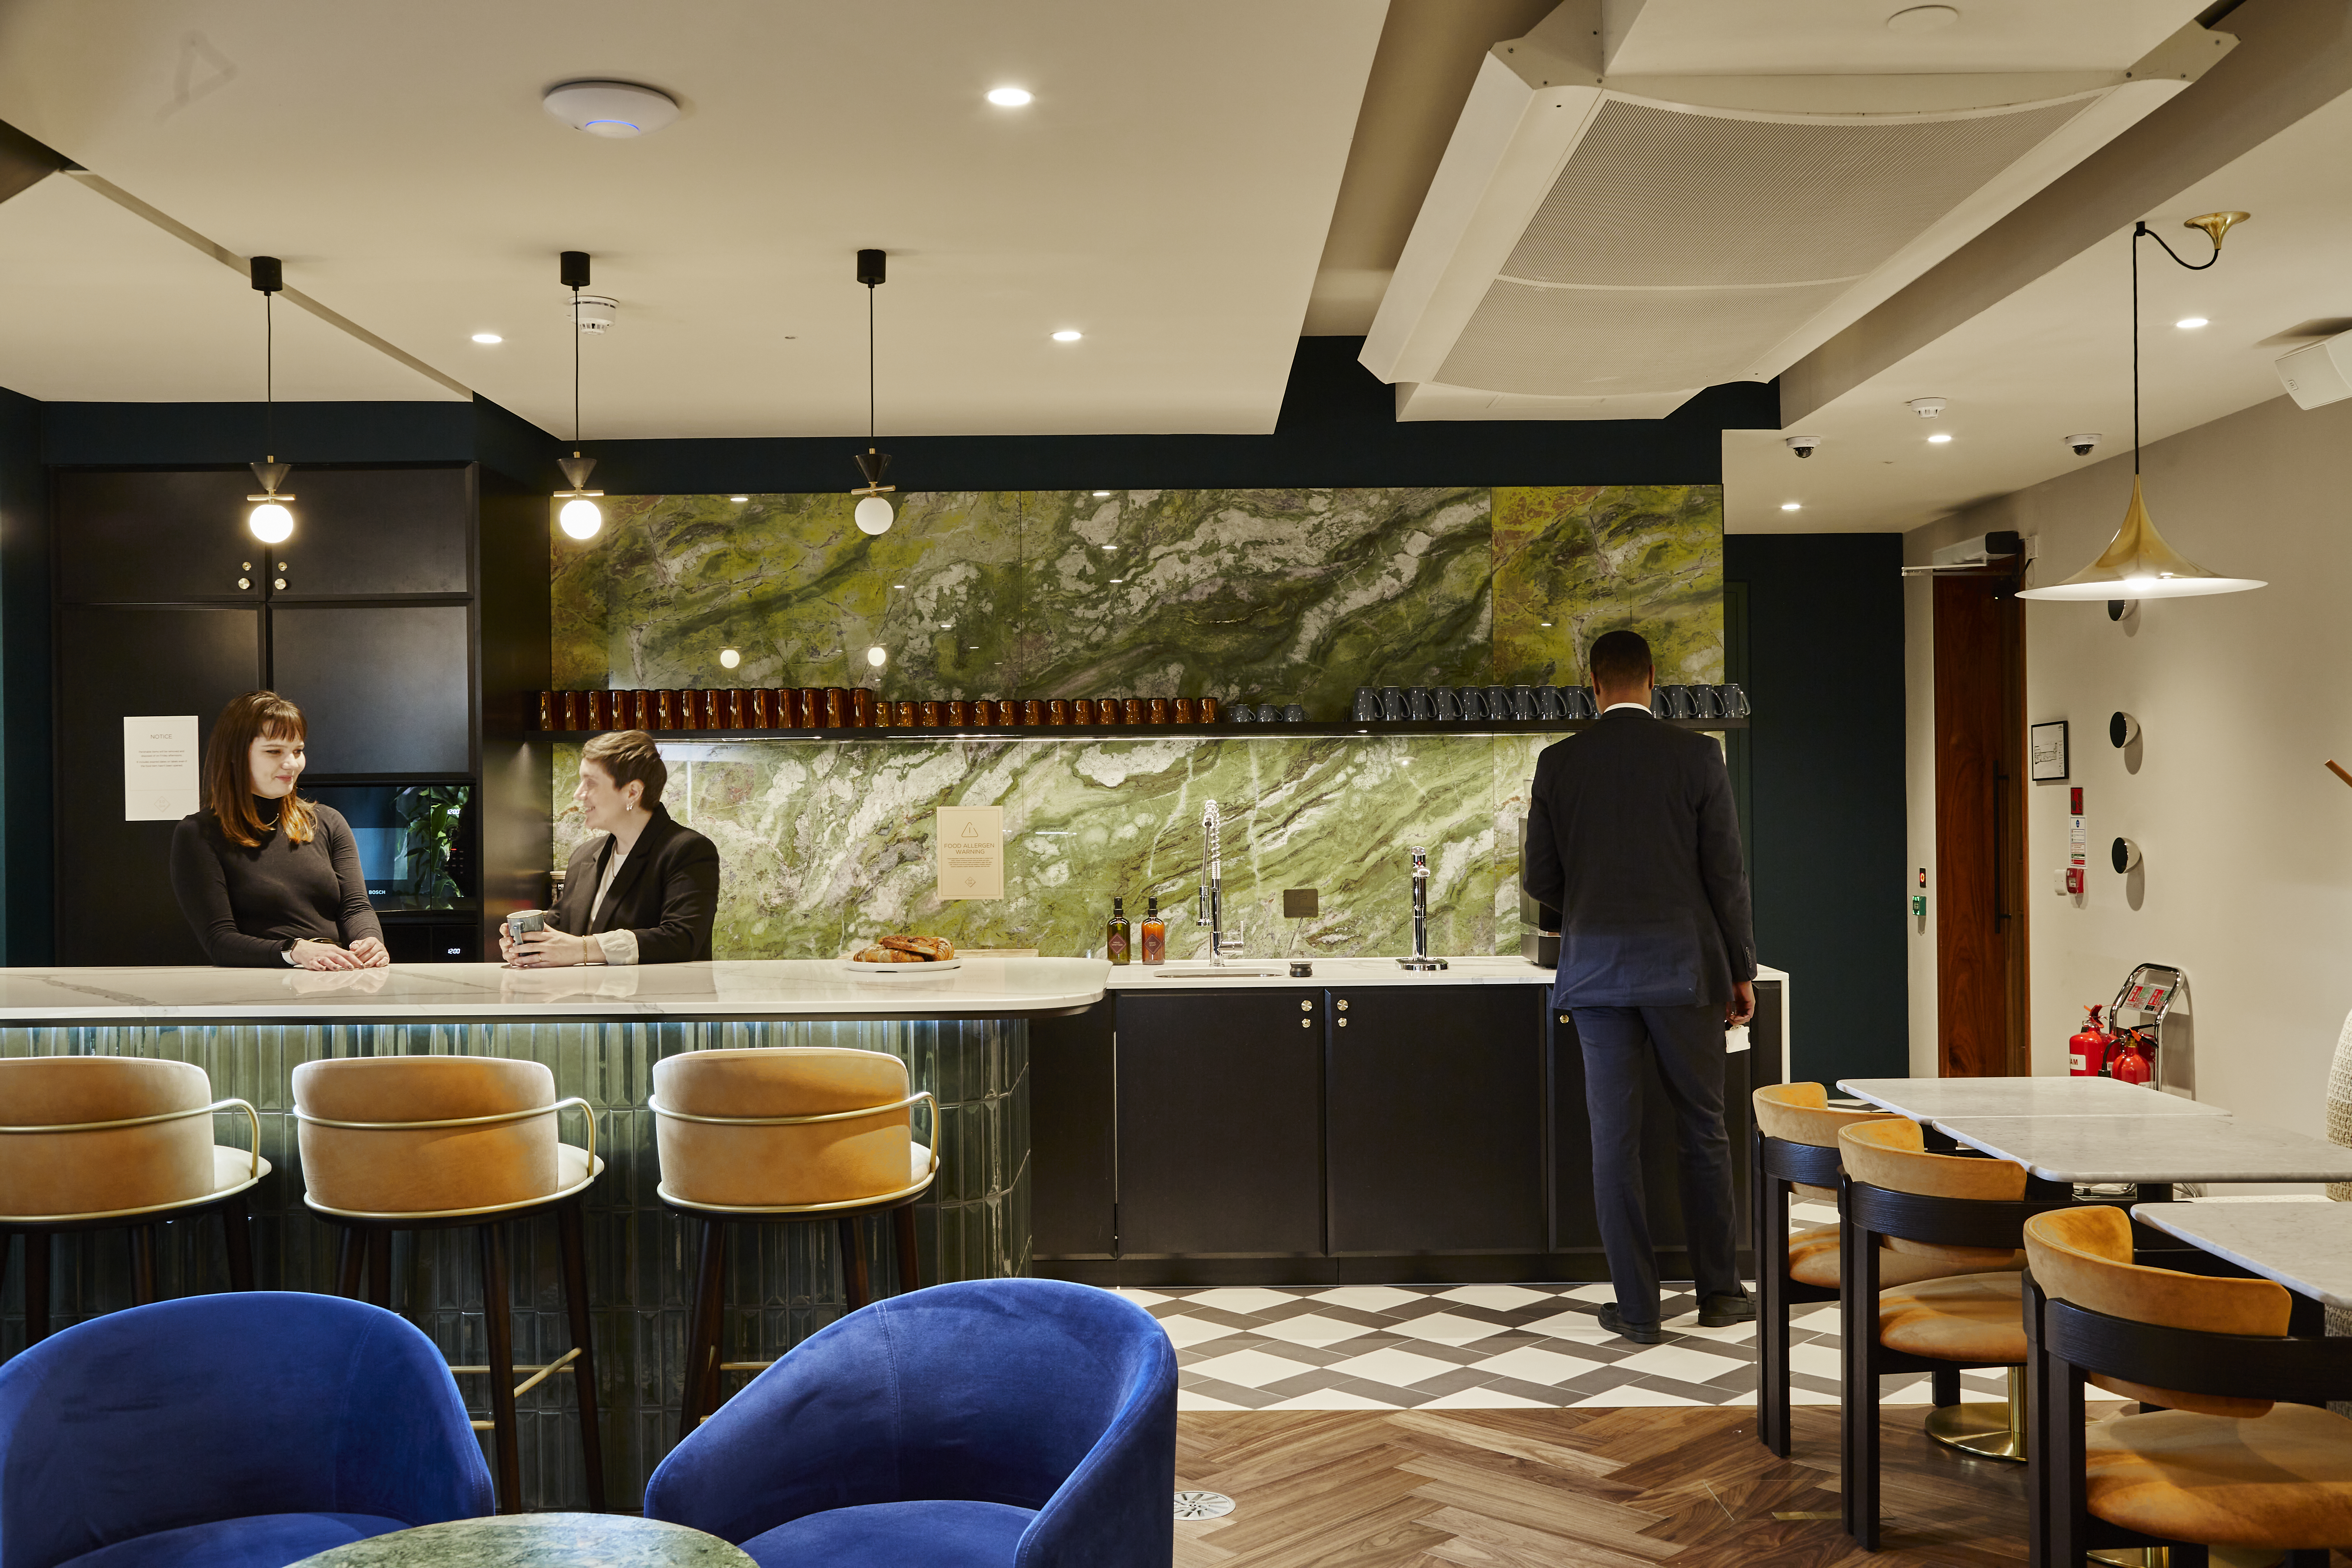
[{"x": 430, "y": 812}]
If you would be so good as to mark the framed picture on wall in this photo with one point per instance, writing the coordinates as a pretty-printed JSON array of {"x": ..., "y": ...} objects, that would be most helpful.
[{"x": 2046, "y": 746}]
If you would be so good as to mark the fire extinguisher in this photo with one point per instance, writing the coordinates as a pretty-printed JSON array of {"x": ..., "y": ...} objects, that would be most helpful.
[
  {"x": 2086, "y": 1053},
  {"x": 2135, "y": 1060}
]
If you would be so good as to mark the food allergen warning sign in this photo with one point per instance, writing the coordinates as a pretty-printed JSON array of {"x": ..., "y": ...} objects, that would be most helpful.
[{"x": 971, "y": 851}]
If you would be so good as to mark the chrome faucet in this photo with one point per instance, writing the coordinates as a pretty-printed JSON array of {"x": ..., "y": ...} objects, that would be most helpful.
[
  {"x": 1211, "y": 911},
  {"x": 1421, "y": 959}
]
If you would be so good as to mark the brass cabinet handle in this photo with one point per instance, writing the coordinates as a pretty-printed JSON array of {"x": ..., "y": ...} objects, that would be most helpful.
[
  {"x": 1343, "y": 1005},
  {"x": 1307, "y": 1006},
  {"x": 1563, "y": 1018},
  {"x": 1306, "y": 1023},
  {"x": 1343, "y": 1023}
]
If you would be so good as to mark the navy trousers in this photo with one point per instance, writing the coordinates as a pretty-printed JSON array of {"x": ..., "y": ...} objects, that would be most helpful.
[{"x": 1687, "y": 1045}]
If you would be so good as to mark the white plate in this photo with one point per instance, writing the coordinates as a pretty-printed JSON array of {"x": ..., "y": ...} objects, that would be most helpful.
[{"x": 901, "y": 971}]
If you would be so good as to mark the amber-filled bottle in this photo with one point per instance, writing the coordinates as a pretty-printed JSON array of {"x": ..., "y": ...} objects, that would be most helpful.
[
  {"x": 1155, "y": 932},
  {"x": 1115, "y": 936}
]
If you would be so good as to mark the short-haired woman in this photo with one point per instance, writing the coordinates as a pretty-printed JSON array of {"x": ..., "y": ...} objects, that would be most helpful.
[
  {"x": 264, "y": 875},
  {"x": 646, "y": 892}
]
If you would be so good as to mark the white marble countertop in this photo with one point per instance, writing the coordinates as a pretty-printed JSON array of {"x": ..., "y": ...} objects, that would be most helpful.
[
  {"x": 2305, "y": 1247},
  {"x": 2151, "y": 1148},
  {"x": 1341, "y": 973},
  {"x": 1926, "y": 1099},
  {"x": 763, "y": 988}
]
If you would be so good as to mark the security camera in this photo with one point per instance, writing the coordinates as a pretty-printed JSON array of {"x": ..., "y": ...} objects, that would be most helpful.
[
  {"x": 2124, "y": 855},
  {"x": 2082, "y": 444},
  {"x": 1801, "y": 445},
  {"x": 2122, "y": 730}
]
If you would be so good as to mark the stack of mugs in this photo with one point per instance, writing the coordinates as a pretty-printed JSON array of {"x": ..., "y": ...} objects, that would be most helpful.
[
  {"x": 1531, "y": 704},
  {"x": 849, "y": 708}
]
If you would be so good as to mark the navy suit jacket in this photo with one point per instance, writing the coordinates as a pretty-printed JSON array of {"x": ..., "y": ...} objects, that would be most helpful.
[{"x": 1632, "y": 838}]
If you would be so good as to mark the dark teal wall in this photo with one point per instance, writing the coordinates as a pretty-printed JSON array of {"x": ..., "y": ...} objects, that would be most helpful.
[
  {"x": 24, "y": 686},
  {"x": 1824, "y": 668}
]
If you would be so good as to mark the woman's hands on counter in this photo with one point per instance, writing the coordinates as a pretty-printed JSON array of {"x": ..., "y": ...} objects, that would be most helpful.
[
  {"x": 372, "y": 954},
  {"x": 365, "y": 953}
]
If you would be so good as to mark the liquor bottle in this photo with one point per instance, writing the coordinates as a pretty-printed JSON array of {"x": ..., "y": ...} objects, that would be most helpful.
[
  {"x": 1115, "y": 943},
  {"x": 1155, "y": 932}
]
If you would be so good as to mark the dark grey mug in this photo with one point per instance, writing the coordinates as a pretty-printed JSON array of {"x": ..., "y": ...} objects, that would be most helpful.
[
  {"x": 1393, "y": 703},
  {"x": 1448, "y": 708},
  {"x": 1473, "y": 706},
  {"x": 1418, "y": 706},
  {"x": 1548, "y": 704},
  {"x": 1367, "y": 704},
  {"x": 1498, "y": 702}
]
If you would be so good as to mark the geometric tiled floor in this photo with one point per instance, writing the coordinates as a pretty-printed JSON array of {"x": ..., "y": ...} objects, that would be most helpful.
[{"x": 1470, "y": 1347}]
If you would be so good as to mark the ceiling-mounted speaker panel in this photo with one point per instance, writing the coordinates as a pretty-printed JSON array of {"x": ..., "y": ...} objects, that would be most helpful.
[
  {"x": 1599, "y": 342},
  {"x": 1666, "y": 197}
]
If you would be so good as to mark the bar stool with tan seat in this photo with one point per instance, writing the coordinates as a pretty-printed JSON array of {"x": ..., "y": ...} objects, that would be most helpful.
[
  {"x": 1794, "y": 1151},
  {"x": 395, "y": 1143},
  {"x": 1961, "y": 1207},
  {"x": 784, "y": 1133},
  {"x": 2219, "y": 1464},
  {"x": 117, "y": 1143}
]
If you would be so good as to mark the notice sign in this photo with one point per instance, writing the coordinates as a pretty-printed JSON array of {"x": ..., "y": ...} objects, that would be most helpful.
[
  {"x": 971, "y": 851},
  {"x": 159, "y": 768}
]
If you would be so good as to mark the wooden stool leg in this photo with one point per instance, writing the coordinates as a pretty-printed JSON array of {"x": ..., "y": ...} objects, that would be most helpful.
[
  {"x": 855, "y": 1284},
  {"x": 699, "y": 1391},
  {"x": 379, "y": 1263},
  {"x": 501, "y": 1336},
  {"x": 910, "y": 1263},
  {"x": 584, "y": 1366},
  {"x": 143, "y": 1264},
  {"x": 348, "y": 1257},
  {"x": 36, "y": 1286},
  {"x": 237, "y": 1225}
]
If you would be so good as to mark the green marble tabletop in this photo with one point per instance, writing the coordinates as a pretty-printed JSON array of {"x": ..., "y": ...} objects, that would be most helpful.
[{"x": 531, "y": 1540}]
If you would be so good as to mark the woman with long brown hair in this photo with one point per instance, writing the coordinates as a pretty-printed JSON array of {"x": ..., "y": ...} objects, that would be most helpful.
[{"x": 264, "y": 875}]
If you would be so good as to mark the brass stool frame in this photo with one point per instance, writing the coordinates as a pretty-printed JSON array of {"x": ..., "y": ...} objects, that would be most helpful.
[
  {"x": 705, "y": 1325},
  {"x": 366, "y": 1242},
  {"x": 143, "y": 1226}
]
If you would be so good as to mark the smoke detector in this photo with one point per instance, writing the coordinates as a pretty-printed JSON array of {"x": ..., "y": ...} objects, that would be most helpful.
[
  {"x": 1926, "y": 408},
  {"x": 595, "y": 313},
  {"x": 613, "y": 109}
]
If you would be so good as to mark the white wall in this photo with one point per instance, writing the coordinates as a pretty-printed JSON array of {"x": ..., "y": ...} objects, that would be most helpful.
[{"x": 2242, "y": 698}]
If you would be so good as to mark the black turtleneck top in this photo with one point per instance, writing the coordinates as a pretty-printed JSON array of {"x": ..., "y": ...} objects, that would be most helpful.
[{"x": 248, "y": 906}]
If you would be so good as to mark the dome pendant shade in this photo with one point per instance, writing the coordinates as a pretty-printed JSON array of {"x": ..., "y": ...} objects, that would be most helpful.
[{"x": 2138, "y": 565}]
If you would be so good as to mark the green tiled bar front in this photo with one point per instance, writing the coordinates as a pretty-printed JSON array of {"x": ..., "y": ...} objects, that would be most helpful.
[{"x": 785, "y": 1281}]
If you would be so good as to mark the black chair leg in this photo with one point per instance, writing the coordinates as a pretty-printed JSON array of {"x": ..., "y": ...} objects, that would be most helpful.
[
  {"x": 1944, "y": 1386},
  {"x": 348, "y": 1256},
  {"x": 855, "y": 1283},
  {"x": 379, "y": 1263},
  {"x": 142, "y": 1265},
  {"x": 502, "y": 1402},
  {"x": 910, "y": 1262},
  {"x": 236, "y": 1228},
  {"x": 699, "y": 1395},
  {"x": 36, "y": 1286},
  {"x": 584, "y": 1366},
  {"x": 1858, "y": 1326},
  {"x": 2308, "y": 1557}
]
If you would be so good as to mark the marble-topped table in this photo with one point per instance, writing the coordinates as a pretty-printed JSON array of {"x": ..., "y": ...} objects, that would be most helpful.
[
  {"x": 412, "y": 992},
  {"x": 2151, "y": 1150},
  {"x": 2305, "y": 1247},
  {"x": 1929, "y": 1099},
  {"x": 537, "y": 1540}
]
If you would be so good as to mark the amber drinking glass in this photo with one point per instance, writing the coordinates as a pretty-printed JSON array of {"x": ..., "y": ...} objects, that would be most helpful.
[
  {"x": 1206, "y": 707},
  {"x": 1057, "y": 712},
  {"x": 1183, "y": 710},
  {"x": 549, "y": 710},
  {"x": 958, "y": 714},
  {"x": 930, "y": 715},
  {"x": 861, "y": 708},
  {"x": 1130, "y": 711}
]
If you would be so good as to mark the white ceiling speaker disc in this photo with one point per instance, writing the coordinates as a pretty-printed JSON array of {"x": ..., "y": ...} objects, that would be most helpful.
[{"x": 613, "y": 108}]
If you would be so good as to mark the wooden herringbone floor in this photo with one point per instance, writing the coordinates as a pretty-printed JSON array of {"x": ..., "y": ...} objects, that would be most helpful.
[{"x": 1535, "y": 1489}]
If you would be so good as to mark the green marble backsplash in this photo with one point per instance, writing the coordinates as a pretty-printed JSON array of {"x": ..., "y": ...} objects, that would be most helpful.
[{"x": 1268, "y": 595}]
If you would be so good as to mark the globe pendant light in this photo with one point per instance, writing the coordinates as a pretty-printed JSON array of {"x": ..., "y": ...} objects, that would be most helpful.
[
  {"x": 269, "y": 521},
  {"x": 874, "y": 514},
  {"x": 2138, "y": 564},
  {"x": 580, "y": 517}
]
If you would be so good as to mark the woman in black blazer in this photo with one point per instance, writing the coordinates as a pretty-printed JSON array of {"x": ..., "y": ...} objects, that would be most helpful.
[{"x": 645, "y": 890}]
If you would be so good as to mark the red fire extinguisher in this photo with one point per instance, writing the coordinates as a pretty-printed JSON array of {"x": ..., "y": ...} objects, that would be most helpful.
[
  {"x": 2135, "y": 1060},
  {"x": 2086, "y": 1053}
]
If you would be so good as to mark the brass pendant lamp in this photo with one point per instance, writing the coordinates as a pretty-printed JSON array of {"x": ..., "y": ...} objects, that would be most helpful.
[
  {"x": 269, "y": 521},
  {"x": 2138, "y": 564},
  {"x": 580, "y": 517},
  {"x": 874, "y": 514}
]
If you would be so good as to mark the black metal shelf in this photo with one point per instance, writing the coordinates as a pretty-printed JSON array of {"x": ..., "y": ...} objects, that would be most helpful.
[{"x": 1222, "y": 729}]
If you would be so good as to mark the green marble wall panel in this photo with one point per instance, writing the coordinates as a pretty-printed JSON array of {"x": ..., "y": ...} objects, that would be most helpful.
[
  {"x": 784, "y": 1281},
  {"x": 1573, "y": 562}
]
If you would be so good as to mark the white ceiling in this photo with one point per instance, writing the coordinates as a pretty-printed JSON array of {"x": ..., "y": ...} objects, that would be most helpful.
[
  {"x": 1642, "y": 37},
  {"x": 2055, "y": 358},
  {"x": 1168, "y": 194}
]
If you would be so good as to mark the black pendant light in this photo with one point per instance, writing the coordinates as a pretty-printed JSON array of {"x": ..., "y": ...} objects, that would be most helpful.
[
  {"x": 874, "y": 513},
  {"x": 270, "y": 520},
  {"x": 580, "y": 517}
]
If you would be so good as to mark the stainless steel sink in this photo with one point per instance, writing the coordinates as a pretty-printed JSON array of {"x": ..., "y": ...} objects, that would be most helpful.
[{"x": 1213, "y": 972}]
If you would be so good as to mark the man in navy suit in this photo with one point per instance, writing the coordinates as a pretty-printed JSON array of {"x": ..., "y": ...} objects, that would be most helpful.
[{"x": 1632, "y": 838}]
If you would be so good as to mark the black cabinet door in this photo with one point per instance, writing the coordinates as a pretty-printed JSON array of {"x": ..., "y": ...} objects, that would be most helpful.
[
  {"x": 1436, "y": 1120},
  {"x": 1220, "y": 1123},
  {"x": 133, "y": 539},
  {"x": 1072, "y": 1135},
  {"x": 115, "y": 904},
  {"x": 375, "y": 532},
  {"x": 1574, "y": 1227},
  {"x": 382, "y": 689}
]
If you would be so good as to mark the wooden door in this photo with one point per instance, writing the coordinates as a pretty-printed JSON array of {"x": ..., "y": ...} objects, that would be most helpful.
[{"x": 1980, "y": 964}]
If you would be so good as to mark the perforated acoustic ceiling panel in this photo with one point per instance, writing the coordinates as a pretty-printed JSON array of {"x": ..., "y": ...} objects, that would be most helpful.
[{"x": 1677, "y": 244}]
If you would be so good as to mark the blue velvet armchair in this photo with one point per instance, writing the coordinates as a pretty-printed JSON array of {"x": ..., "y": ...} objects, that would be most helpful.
[
  {"x": 995, "y": 1423},
  {"x": 247, "y": 1430}
]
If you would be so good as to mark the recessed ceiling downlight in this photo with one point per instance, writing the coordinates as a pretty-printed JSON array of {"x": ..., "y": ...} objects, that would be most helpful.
[
  {"x": 611, "y": 109},
  {"x": 1069, "y": 335},
  {"x": 488, "y": 338},
  {"x": 1009, "y": 97}
]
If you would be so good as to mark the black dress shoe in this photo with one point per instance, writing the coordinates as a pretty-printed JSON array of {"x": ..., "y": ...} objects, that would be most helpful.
[
  {"x": 1722, "y": 1311},
  {"x": 1640, "y": 1333}
]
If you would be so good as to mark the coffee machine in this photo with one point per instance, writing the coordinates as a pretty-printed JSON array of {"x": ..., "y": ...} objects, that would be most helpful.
[{"x": 1538, "y": 923}]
